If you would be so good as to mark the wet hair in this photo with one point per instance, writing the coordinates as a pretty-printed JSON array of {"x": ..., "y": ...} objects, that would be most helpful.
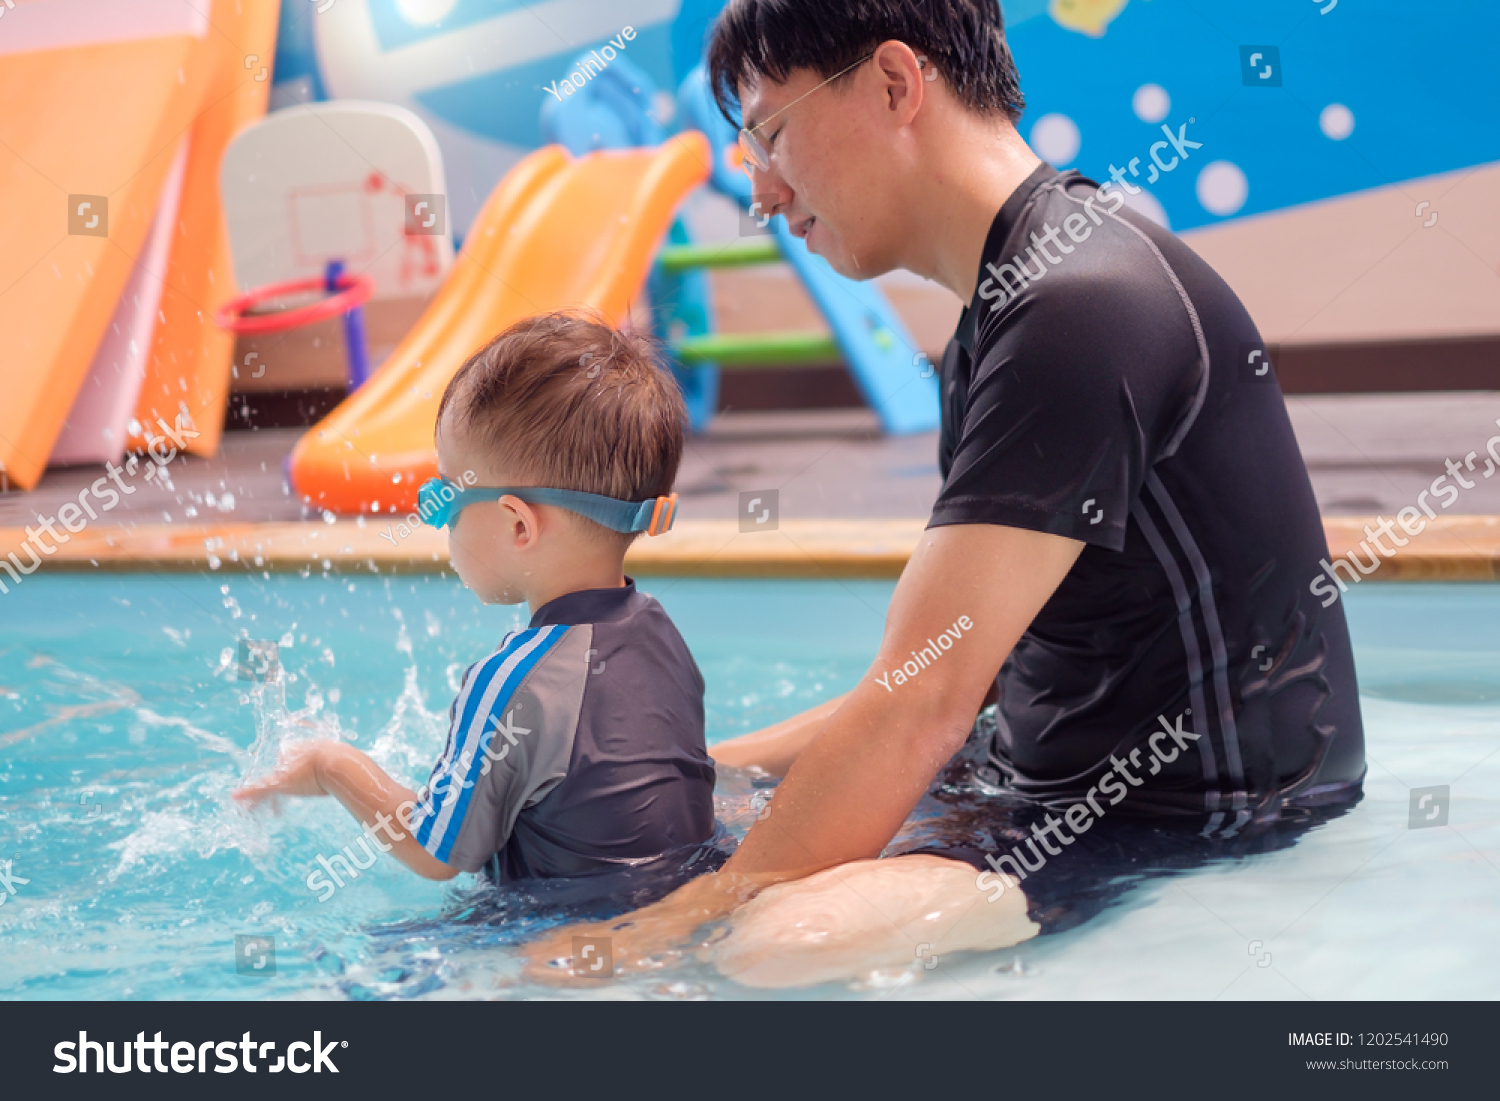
[
  {"x": 568, "y": 401},
  {"x": 963, "y": 39}
]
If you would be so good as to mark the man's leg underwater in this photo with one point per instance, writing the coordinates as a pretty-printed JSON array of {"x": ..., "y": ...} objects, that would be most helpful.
[{"x": 866, "y": 915}]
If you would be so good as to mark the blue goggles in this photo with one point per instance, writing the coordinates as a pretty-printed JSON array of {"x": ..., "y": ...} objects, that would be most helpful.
[{"x": 439, "y": 502}]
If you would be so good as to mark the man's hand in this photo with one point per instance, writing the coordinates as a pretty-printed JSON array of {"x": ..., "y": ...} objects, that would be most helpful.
[
  {"x": 649, "y": 939},
  {"x": 775, "y": 747}
]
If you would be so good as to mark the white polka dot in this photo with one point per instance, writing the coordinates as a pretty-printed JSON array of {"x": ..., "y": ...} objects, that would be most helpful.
[
  {"x": 420, "y": 13},
  {"x": 1151, "y": 103},
  {"x": 1145, "y": 204},
  {"x": 1337, "y": 121},
  {"x": 663, "y": 107},
  {"x": 1222, "y": 188},
  {"x": 1055, "y": 139}
]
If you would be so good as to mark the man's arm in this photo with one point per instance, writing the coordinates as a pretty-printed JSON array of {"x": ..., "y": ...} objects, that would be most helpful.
[
  {"x": 853, "y": 786},
  {"x": 382, "y": 805},
  {"x": 775, "y": 747},
  {"x": 875, "y": 755}
]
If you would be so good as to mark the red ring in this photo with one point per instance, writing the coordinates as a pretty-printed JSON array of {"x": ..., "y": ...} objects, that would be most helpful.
[{"x": 354, "y": 291}]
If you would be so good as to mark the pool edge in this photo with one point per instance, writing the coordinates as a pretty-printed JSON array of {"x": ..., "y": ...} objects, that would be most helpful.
[{"x": 1451, "y": 548}]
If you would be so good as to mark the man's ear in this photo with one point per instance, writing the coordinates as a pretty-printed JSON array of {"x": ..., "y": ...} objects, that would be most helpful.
[{"x": 902, "y": 77}]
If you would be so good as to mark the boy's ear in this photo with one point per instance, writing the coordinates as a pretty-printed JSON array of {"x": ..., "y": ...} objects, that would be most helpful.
[{"x": 522, "y": 519}]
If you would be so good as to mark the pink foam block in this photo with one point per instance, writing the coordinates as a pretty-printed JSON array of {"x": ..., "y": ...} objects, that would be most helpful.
[{"x": 95, "y": 430}]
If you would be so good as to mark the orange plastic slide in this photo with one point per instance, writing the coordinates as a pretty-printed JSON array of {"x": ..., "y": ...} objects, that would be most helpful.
[
  {"x": 188, "y": 369},
  {"x": 556, "y": 232},
  {"x": 84, "y": 124}
]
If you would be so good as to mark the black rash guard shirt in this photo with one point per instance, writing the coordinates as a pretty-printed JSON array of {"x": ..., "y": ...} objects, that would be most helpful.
[{"x": 1106, "y": 385}]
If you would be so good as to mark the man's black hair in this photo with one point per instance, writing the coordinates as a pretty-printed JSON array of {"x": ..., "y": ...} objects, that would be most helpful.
[{"x": 963, "y": 39}]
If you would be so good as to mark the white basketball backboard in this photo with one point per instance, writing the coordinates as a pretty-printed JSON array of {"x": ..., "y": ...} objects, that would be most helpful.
[{"x": 333, "y": 181}]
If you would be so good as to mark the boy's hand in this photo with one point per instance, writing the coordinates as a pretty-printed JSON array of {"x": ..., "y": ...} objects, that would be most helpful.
[
  {"x": 298, "y": 772},
  {"x": 379, "y": 803}
]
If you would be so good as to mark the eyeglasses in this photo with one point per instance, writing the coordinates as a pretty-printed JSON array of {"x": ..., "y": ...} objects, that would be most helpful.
[{"x": 758, "y": 153}]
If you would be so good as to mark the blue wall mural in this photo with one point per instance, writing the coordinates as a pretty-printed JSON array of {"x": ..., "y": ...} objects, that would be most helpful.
[{"x": 1222, "y": 108}]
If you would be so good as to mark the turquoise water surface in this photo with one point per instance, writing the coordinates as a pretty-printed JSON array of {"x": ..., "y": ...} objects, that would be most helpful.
[{"x": 124, "y": 726}]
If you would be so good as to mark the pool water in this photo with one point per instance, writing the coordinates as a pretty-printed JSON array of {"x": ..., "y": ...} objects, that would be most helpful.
[{"x": 124, "y": 725}]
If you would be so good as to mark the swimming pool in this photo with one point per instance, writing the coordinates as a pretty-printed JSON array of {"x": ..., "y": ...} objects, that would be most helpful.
[{"x": 124, "y": 726}]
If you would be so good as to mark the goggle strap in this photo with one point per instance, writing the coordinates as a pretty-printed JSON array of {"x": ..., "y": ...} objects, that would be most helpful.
[
  {"x": 654, "y": 515},
  {"x": 662, "y": 514}
]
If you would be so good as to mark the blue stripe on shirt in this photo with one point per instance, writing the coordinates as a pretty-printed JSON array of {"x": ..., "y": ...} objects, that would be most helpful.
[{"x": 463, "y": 733}]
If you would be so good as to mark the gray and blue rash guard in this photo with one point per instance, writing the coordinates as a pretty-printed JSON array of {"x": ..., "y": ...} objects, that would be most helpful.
[
  {"x": 1106, "y": 385},
  {"x": 575, "y": 748}
]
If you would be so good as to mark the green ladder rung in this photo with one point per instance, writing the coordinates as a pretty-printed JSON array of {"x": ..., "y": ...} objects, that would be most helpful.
[
  {"x": 783, "y": 349},
  {"x": 726, "y": 254}
]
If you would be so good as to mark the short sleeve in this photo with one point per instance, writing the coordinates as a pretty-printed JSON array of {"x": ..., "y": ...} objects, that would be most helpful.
[
  {"x": 510, "y": 738},
  {"x": 953, "y": 378},
  {"x": 1070, "y": 396}
]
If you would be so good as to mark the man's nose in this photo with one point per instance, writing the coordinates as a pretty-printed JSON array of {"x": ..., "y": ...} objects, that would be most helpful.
[{"x": 770, "y": 191}]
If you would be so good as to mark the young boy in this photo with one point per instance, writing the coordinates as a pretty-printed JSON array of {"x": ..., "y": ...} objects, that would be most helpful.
[{"x": 577, "y": 746}]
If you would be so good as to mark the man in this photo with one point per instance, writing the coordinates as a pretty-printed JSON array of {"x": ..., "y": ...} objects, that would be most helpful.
[{"x": 1122, "y": 550}]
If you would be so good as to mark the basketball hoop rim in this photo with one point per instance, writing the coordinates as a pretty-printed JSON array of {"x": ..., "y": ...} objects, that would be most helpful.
[{"x": 353, "y": 291}]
